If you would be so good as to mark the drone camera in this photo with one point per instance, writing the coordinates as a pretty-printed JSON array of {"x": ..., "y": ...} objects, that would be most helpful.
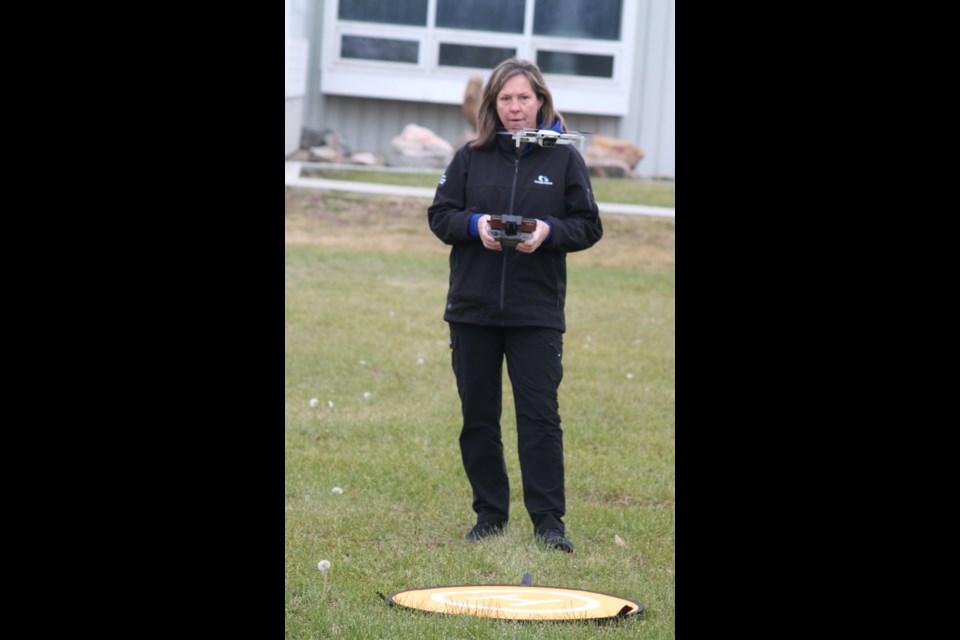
[{"x": 547, "y": 138}]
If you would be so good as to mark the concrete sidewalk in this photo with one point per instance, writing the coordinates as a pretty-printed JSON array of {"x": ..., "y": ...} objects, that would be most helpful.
[{"x": 292, "y": 178}]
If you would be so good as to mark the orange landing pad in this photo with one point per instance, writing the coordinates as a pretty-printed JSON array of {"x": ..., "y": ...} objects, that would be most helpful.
[{"x": 517, "y": 602}]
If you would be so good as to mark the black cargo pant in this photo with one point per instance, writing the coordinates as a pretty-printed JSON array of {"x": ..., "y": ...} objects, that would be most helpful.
[{"x": 534, "y": 363}]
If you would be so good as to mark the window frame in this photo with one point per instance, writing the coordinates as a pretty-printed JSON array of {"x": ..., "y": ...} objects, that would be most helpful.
[{"x": 428, "y": 81}]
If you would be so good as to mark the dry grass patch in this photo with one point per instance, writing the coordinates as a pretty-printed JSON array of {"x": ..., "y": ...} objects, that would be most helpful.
[{"x": 393, "y": 224}]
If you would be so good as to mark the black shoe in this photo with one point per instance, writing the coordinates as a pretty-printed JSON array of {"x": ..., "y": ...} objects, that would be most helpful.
[
  {"x": 553, "y": 539},
  {"x": 483, "y": 530}
]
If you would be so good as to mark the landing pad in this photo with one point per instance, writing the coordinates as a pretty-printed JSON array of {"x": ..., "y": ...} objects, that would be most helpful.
[{"x": 517, "y": 602}]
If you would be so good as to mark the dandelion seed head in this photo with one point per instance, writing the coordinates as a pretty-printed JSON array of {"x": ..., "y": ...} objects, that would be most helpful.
[
  {"x": 323, "y": 565},
  {"x": 314, "y": 402}
]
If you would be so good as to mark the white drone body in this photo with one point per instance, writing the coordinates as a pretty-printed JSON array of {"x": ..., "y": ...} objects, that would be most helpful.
[{"x": 548, "y": 137}]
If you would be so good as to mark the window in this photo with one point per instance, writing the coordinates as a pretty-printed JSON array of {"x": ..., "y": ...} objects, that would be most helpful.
[
  {"x": 462, "y": 55},
  {"x": 575, "y": 64},
  {"x": 426, "y": 50},
  {"x": 387, "y": 49},
  {"x": 504, "y": 16},
  {"x": 598, "y": 19},
  {"x": 412, "y": 12}
]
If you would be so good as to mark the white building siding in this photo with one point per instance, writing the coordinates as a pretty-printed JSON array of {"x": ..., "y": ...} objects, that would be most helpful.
[
  {"x": 369, "y": 124},
  {"x": 651, "y": 122},
  {"x": 295, "y": 69}
]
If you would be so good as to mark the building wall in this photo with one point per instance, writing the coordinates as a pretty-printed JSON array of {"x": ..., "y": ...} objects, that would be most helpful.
[
  {"x": 296, "y": 51},
  {"x": 292, "y": 125},
  {"x": 368, "y": 124},
  {"x": 650, "y": 123}
]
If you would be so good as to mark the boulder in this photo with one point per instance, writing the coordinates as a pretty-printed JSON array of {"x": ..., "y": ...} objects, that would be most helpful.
[
  {"x": 611, "y": 157},
  {"x": 365, "y": 158},
  {"x": 310, "y": 138},
  {"x": 324, "y": 154},
  {"x": 418, "y": 146}
]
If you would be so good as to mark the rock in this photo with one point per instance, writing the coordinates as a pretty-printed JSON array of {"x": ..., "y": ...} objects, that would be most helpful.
[
  {"x": 310, "y": 138},
  {"x": 324, "y": 154},
  {"x": 608, "y": 156},
  {"x": 365, "y": 158},
  {"x": 418, "y": 146}
]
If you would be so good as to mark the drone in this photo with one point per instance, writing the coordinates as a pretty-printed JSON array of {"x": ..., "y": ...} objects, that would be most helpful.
[{"x": 548, "y": 138}]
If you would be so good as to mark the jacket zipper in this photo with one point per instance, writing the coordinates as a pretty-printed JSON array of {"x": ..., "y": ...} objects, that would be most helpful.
[{"x": 503, "y": 270}]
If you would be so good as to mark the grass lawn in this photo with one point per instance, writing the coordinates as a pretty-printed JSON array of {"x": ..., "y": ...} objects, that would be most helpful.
[{"x": 365, "y": 290}]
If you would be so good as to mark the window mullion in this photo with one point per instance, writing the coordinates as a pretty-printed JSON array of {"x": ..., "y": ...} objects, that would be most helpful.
[
  {"x": 526, "y": 51},
  {"x": 431, "y": 52}
]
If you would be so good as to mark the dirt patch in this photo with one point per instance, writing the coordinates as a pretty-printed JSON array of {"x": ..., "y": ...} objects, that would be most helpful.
[{"x": 394, "y": 224}]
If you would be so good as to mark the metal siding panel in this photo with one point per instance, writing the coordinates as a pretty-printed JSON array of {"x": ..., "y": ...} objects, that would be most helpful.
[
  {"x": 370, "y": 128},
  {"x": 652, "y": 137},
  {"x": 313, "y": 100},
  {"x": 336, "y": 115},
  {"x": 451, "y": 125},
  {"x": 650, "y": 107},
  {"x": 440, "y": 122},
  {"x": 342, "y": 117},
  {"x": 408, "y": 114},
  {"x": 391, "y": 124},
  {"x": 293, "y": 115},
  {"x": 631, "y": 124},
  {"x": 666, "y": 164}
]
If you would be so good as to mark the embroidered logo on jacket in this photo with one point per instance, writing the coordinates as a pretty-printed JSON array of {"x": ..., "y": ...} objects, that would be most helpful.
[
  {"x": 542, "y": 180},
  {"x": 443, "y": 179}
]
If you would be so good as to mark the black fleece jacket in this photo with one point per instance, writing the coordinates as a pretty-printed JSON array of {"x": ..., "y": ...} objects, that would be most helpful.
[{"x": 510, "y": 288}]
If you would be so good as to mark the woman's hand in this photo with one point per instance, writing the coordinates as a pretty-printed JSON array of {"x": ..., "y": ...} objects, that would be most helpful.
[
  {"x": 483, "y": 226},
  {"x": 539, "y": 235}
]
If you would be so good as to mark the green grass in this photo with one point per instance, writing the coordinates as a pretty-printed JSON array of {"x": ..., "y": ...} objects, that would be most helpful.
[
  {"x": 358, "y": 321},
  {"x": 656, "y": 193}
]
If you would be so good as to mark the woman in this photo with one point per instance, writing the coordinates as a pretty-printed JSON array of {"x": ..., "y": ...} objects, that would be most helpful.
[{"x": 508, "y": 302}]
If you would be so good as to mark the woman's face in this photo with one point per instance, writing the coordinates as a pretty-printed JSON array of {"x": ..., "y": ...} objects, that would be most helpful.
[{"x": 517, "y": 104}]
